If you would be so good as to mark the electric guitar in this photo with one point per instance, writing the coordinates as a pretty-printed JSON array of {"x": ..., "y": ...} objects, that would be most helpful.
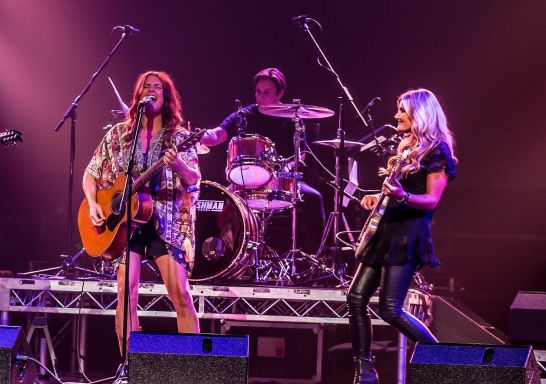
[
  {"x": 372, "y": 223},
  {"x": 109, "y": 239},
  {"x": 10, "y": 137}
]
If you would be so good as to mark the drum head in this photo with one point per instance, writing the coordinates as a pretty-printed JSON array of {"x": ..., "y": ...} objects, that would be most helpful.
[
  {"x": 223, "y": 229},
  {"x": 249, "y": 176}
]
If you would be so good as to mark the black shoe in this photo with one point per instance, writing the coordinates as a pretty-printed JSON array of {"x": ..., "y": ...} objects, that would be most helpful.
[{"x": 365, "y": 372}]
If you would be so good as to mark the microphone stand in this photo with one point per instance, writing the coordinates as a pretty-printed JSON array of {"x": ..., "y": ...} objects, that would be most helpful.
[
  {"x": 126, "y": 203},
  {"x": 71, "y": 113},
  {"x": 346, "y": 96}
]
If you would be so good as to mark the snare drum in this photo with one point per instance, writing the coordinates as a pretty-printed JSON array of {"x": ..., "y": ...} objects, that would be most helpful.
[
  {"x": 226, "y": 232},
  {"x": 250, "y": 160},
  {"x": 275, "y": 195}
]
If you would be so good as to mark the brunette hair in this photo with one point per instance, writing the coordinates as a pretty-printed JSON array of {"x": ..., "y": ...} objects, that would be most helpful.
[
  {"x": 273, "y": 74},
  {"x": 171, "y": 111}
]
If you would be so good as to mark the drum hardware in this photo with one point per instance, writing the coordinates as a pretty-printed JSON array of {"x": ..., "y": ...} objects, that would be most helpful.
[
  {"x": 297, "y": 112},
  {"x": 226, "y": 235},
  {"x": 338, "y": 271},
  {"x": 267, "y": 265}
]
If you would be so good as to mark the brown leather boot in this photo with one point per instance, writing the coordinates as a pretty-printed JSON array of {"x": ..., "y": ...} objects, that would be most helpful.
[{"x": 365, "y": 372}]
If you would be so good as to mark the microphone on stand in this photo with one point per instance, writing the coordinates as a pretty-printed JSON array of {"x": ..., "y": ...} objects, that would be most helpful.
[
  {"x": 239, "y": 106},
  {"x": 302, "y": 19},
  {"x": 127, "y": 28},
  {"x": 241, "y": 127},
  {"x": 368, "y": 107},
  {"x": 147, "y": 100}
]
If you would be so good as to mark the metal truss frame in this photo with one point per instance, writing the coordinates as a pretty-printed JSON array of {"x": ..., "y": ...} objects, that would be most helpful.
[{"x": 250, "y": 303}]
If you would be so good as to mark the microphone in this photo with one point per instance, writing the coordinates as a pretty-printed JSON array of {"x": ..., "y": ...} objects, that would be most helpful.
[
  {"x": 242, "y": 123},
  {"x": 127, "y": 28},
  {"x": 370, "y": 105},
  {"x": 300, "y": 19},
  {"x": 147, "y": 99},
  {"x": 239, "y": 106}
]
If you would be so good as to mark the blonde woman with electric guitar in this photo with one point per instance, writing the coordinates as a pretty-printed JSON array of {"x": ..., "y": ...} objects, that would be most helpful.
[{"x": 396, "y": 239}]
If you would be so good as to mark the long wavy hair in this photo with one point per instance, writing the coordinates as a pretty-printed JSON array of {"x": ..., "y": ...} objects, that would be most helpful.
[
  {"x": 428, "y": 128},
  {"x": 171, "y": 113}
]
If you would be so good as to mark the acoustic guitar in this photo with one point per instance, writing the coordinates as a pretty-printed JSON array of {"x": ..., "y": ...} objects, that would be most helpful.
[
  {"x": 109, "y": 239},
  {"x": 372, "y": 223}
]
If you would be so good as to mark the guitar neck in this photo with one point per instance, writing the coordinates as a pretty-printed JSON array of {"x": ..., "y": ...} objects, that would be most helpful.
[{"x": 188, "y": 142}]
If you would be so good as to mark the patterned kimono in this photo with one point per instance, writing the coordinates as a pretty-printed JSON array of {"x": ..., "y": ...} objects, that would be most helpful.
[{"x": 173, "y": 202}]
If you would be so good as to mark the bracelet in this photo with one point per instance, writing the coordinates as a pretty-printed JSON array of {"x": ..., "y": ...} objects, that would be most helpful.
[{"x": 405, "y": 199}]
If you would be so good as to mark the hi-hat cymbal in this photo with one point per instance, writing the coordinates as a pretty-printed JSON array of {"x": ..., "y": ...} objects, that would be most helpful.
[
  {"x": 303, "y": 111},
  {"x": 335, "y": 143},
  {"x": 202, "y": 149}
]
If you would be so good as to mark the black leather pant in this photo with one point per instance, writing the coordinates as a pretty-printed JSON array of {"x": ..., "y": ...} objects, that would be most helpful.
[{"x": 395, "y": 282}]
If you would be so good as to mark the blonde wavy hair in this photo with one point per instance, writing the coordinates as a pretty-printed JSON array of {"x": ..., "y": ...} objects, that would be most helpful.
[{"x": 428, "y": 128}]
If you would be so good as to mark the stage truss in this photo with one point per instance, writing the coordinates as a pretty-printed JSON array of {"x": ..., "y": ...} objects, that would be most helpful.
[{"x": 249, "y": 303}]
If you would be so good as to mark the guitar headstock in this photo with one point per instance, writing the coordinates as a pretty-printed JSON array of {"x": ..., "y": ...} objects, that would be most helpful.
[
  {"x": 10, "y": 137},
  {"x": 191, "y": 140}
]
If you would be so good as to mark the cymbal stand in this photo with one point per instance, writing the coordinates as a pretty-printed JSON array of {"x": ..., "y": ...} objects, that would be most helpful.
[
  {"x": 290, "y": 256},
  {"x": 334, "y": 217}
]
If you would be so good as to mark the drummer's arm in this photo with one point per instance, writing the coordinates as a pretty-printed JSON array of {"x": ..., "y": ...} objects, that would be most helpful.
[{"x": 214, "y": 136}]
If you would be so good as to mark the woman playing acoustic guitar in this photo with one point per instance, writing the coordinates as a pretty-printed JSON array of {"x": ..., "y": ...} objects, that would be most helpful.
[
  {"x": 402, "y": 242},
  {"x": 168, "y": 237}
]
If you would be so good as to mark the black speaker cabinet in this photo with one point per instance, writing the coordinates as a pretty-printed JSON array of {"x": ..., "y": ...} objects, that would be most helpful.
[
  {"x": 187, "y": 358},
  {"x": 484, "y": 364},
  {"x": 527, "y": 318},
  {"x": 13, "y": 342}
]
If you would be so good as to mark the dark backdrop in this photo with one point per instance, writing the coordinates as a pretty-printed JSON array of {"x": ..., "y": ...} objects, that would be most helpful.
[{"x": 485, "y": 61}]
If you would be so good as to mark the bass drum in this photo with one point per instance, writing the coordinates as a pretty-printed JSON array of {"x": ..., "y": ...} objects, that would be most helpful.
[{"x": 226, "y": 232}]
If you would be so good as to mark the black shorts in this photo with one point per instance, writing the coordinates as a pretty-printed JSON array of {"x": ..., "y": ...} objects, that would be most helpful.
[{"x": 146, "y": 241}]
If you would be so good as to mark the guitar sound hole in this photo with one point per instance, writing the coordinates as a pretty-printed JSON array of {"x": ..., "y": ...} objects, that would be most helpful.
[{"x": 112, "y": 221}]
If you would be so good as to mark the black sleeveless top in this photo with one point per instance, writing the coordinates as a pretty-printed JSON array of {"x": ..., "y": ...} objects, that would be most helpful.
[{"x": 404, "y": 232}]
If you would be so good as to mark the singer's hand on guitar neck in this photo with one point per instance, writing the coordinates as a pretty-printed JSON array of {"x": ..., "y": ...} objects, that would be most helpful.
[
  {"x": 189, "y": 173},
  {"x": 394, "y": 189}
]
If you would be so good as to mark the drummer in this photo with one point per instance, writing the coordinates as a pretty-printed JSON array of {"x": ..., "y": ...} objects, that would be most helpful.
[{"x": 269, "y": 87}]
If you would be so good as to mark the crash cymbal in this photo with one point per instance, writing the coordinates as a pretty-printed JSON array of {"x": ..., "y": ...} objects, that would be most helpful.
[
  {"x": 335, "y": 143},
  {"x": 290, "y": 110},
  {"x": 202, "y": 149}
]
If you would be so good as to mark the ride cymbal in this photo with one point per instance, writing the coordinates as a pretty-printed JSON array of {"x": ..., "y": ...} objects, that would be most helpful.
[{"x": 302, "y": 111}]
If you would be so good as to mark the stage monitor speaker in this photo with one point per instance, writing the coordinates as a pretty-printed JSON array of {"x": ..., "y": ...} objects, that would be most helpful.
[
  {"x": 473, "y": 363},
  {"x": 13, "y": 342},
  {"x": 187, "y": 358},
  {"x": 527, "y": 318}
]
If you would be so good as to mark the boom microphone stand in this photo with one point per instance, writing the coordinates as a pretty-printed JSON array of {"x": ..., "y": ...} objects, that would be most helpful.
[
  {"x": 71, "y": 113},
  {"x": 346, "y": 96}
]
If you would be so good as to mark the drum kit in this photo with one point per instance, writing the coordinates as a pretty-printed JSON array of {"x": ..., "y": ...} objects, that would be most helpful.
[{"x": 232, "y": 221}]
